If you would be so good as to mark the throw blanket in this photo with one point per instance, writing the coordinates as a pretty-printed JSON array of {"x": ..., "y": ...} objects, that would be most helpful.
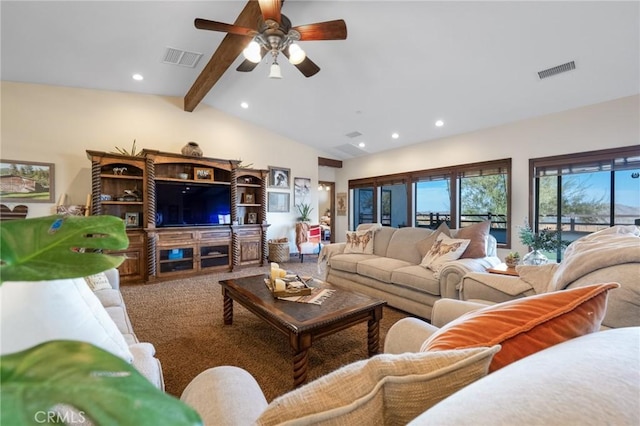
[{"x": 611, "y": 246}]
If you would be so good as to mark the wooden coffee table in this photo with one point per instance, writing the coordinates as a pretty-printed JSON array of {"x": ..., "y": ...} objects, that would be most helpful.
[{"x": 303, "y": 323}]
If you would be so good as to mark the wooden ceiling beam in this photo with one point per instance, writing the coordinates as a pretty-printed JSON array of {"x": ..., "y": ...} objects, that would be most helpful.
[
  {"x": 329, "y": 162},
  {"x": 231, "y": 46}
]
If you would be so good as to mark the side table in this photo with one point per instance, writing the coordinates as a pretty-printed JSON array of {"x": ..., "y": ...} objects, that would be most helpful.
[{"x": 503, "y": 269}]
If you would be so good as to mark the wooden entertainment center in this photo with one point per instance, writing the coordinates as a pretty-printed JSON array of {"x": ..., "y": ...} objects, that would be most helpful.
[{"x": 168, "y": 234}]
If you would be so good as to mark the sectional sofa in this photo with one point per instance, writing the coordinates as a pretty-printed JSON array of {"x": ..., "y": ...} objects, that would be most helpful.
[
  {"x": 87, "y": 309},
  {"x": 555, "y": 368},
  {"x": 394, "y": 270}
]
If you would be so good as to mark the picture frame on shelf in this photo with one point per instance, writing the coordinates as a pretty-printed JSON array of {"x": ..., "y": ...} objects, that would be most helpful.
[
  {"x": 252, "y": 218},
  {"x": 202, "y": 173},
  {"x": 278, "y": 202},
  {"x": 249, "y": 198},
  {"x": 279, "y": 177},
  {"x": 27, "y": 181},
  {"x": 131, "y": 220},
  {"x": 301, "y": 190}
]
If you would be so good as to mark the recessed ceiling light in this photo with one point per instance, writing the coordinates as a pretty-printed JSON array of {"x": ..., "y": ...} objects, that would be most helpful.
[
  {"x": 439, "y": 123},
  {"x": 361, "y": 144},
  {"x": 395, "y": 135},
  {"x": 138, "y": 77},
  {"x": 244, "y": 105}
]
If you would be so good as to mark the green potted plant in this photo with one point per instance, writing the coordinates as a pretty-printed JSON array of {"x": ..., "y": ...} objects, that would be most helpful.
[
  {"x": 305, "y": 212},
  {"x": 545, "y": 240},
  {"x": 96, "y": 384},
  {"x": 512, "y": 259}
]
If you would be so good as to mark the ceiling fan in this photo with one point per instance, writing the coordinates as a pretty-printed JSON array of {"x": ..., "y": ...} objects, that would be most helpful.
[{"x": 274, "y": 35}]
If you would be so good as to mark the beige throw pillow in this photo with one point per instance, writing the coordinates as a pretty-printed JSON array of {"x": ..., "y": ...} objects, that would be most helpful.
[
  {"x": 36, "y": 312},
  {"x": 98, "y": 282},
  {"x": 425, "y": 244},
  {"x": 360, "y": 242},
  {"x": 444, "y": 250},
  {"x": 385, "y": 389}
]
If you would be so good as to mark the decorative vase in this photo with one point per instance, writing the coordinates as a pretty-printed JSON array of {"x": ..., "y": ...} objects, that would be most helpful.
[
  {"x": 192, "y": 149},
  {"x": 535, "y": 257}
]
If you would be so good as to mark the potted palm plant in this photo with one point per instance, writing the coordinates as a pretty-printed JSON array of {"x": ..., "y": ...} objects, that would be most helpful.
[
  {"x": 91, "y": 383},
  {"x": 305, "y": 212}
]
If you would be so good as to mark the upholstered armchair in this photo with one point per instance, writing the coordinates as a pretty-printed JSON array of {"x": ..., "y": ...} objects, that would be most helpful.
[
  {"x": 609, "y": 255},
  {"x": 308, "y": 239}
]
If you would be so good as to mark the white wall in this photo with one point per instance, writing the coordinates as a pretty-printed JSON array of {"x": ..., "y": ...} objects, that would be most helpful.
[
  {"x": 606, "y": 125},
  {"x": 57, "y": 124}
]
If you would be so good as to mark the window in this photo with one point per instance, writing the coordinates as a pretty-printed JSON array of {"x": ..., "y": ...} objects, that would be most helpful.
[
  {"x": 433, "y": 201},
  {"x": 582, "y": 193},
  {"x": 458, "y": 195},
  {"x": 483, "y": 195},
  {"x": 393, "y": 205},
  {"x": 363, "y": 206}
]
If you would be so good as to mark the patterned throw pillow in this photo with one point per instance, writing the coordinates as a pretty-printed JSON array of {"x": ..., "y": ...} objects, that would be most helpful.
[
  {"x": 389, "y": 389},
  {"x": 98, "y": 282},
  {"x": 360, "y": 242},
  {"x": 527, "y": 325},
  {"x": 425, "y": 244},
  {"x": 445, "y": 249}
]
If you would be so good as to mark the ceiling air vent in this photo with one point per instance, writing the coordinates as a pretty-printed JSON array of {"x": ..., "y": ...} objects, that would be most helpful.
[
  {"x": 557, "y": 70},
  {"x": 181, "y": 57},
  {"x": 353, "y": 134}
]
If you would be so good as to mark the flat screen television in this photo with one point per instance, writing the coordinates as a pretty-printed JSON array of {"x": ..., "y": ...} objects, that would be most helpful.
[{"x": 192, "y": 204}]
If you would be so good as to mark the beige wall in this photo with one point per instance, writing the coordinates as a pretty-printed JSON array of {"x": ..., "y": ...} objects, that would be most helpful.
[
  {"x": 606, "y": 125},
  {"x": 57, "y": 124}
]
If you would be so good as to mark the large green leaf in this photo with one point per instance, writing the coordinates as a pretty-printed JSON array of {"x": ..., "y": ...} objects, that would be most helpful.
[
  {"x": 57, "y": 247},
  {"x": 98, "y": 384}
]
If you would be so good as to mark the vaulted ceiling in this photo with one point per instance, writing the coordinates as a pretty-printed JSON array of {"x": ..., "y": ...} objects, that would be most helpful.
[{"x": 403, "y": 66}]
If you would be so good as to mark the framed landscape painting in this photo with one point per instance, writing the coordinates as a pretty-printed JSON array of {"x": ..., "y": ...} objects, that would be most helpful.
[{"x": 26, "y": 181}]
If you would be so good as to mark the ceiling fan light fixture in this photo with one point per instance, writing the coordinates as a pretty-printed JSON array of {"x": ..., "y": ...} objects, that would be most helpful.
[
  {"x": 252, "y": 52},
  {"x": 296, "y": 54},
  {"x": 275, "y": 71}
]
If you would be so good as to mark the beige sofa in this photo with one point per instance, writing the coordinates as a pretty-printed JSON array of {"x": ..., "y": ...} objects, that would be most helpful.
[
  {"x": 589, "y": 380},
  {"x": 143, "y": 353},
  {"x": 609, "y": 255},
  {"x": 393, "y": 272},
  {"x": 89, "y": 309}
]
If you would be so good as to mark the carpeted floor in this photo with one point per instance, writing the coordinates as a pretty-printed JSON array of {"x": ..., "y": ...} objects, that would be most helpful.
[{"x": 183, "y": 320}]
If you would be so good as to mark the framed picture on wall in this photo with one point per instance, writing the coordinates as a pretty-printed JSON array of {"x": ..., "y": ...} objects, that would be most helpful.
[
  {"x": 27, "y": 181},
  {"x": 279, "y": 177},
  {"x": 341, "y": 203},
  {"x": 278, "y": 202},
  {"x": 301, "y": 190}
]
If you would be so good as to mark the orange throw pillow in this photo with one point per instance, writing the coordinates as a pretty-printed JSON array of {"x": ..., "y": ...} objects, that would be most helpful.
[{"x": 528, "y": 325}]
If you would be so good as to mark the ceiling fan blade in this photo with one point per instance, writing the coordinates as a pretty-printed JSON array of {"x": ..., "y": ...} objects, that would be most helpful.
[
  {"x": 330, "y": 30},
  {"x": 306, "y": 67},
  {"x": 270, "y": 9},
  {"x": 247, "y": 65},
  {"x": 204, "y": 24},
  {"x": 232, "y": 45}
]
